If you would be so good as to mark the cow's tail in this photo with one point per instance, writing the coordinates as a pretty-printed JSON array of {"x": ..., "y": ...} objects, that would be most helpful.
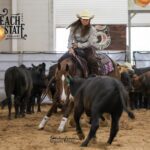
[
  {"x": 123, "y": 100},
  {"x": 7, "y": 101},
  {"x": 3, "y": 103}
]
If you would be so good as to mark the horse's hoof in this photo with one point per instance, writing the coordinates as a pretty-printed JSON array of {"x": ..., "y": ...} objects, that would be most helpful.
[
  {"x": 60, "y": 129},
  {"x": 40, "y": 128},
  {"x": 81, "y": 136}
]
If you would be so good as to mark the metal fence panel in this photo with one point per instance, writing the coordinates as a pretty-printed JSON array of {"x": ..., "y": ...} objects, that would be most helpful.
[{"x": 15, "y": 59}]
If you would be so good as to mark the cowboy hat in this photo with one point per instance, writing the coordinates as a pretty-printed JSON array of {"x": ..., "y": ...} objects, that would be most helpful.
[{"x": 85, "y": 14}]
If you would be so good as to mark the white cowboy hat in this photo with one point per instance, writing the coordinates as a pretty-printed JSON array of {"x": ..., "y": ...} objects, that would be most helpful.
[{"x": 85, "y": 14}]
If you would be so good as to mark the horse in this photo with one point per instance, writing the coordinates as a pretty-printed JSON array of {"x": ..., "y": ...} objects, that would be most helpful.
[{"x": 63, "y": 97}]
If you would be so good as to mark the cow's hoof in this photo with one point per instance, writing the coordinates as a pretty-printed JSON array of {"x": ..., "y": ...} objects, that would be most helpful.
[
  {"x": 9, "y": 118},
  {"x": 109, "y": 142},
  {"x": 28, "y": 112},
  {"x": 94, "y": 140},
  {"x": 23, "y": 115},
  {"x": 81, "y": 136},
  {"x": 16, "y": 116},
  {"x": 83, "y": 144}
]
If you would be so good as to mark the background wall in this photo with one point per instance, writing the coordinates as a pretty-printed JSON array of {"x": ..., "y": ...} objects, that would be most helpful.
[
  {"x": 38, "y": 20},
  {"x": 5, "y": 45},
  {"x": 15, "y": 59},
  {"x": 105, "y": 11},
  {"x": 118, "y": 37}
]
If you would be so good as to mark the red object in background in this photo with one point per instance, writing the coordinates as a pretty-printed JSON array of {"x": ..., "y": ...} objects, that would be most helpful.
[
  {"x": 2, "y": 33},
  {"x": 142, "y": 3}
]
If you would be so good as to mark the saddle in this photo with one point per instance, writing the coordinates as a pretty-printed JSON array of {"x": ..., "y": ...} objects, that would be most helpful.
[
  {"x": 105, "y": 64},
  {"x": 81, "y": 62}
]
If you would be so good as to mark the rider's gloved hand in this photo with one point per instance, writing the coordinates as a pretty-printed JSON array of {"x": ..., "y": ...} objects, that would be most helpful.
[
  {"x": 75, "y": 45},
  {"x": 71, "y": 51}
]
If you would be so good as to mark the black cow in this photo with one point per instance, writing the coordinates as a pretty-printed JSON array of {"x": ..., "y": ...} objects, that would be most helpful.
[
  {"x": 38, "y": 76},
  {"x": 35, "y": 76},
  {"x": 126, "y": 80},
  {"x": 139, "y": 71},
  {"x": 136, "y": 99},
  {"x": 140, "y": 99},
  {"x": 18, "y": 82},
  {"x": 96, "y": 96},
  {"x": 52, "y": 81},
  {"x": 142, "y": 84}
]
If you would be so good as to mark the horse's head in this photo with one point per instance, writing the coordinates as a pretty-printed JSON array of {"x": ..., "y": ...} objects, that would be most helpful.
[{"x": 62, "y": 87}]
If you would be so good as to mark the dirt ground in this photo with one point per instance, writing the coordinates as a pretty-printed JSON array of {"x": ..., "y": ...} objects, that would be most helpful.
[{"x": 22, "y": 133}]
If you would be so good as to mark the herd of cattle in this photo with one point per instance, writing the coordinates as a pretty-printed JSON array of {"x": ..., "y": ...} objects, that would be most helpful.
[
  {"x": 25, "y": 84},
  {"x": 22, "y": 86},
  {"x": 137, "y": 81}
]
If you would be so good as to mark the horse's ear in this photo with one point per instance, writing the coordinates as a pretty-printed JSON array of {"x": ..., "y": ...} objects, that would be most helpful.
[
  {"x": 67, "y": 67},
  {"x": 59, "y": 66}
]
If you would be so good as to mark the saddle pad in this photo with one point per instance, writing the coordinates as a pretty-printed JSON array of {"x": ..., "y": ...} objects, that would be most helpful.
[{"x": 105, "y": 64}]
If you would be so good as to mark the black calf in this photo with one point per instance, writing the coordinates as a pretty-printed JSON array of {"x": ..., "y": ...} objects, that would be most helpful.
[{"x": 96, "y": 96}]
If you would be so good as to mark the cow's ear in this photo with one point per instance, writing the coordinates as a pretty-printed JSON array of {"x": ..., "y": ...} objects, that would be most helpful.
[
  {"x": 59, "y": 66},
  {"x": 43, "y": 64},
  {"x": 67, "y": 68},
  {"x": 33, "y": 66}
]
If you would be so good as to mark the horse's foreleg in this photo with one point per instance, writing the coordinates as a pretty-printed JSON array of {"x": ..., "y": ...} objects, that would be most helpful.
[
  {"x": 68, "y": 111},
  {"x": 46, "y": 118}
]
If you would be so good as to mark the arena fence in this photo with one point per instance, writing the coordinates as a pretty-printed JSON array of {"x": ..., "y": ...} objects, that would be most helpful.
[
  {"x": 141, "y": 58},
  {"x": 28, "y": 58}
]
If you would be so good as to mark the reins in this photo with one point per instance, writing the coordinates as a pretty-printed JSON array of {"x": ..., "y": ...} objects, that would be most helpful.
[{"x": 47, "y": 88}]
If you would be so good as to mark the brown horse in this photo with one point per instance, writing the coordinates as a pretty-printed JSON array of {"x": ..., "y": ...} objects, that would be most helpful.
[{"x": 63, "y": 96}]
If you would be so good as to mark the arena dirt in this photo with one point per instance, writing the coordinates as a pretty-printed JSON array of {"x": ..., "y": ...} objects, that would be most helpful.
[{"x": 22, "y": 133}]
